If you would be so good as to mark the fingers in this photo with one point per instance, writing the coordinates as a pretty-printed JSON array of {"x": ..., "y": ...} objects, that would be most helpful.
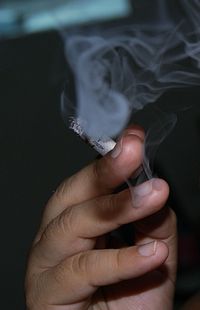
[
  {"x": 162, "y": 226},
  {"x": 77, "y": 227},
  {"x": 101, "y": 177},
  {"x": 79, "y": 276}
]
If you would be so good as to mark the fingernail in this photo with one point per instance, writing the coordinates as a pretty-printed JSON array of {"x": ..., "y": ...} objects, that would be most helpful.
[
  {"x": 117, "y": 149},
  {"x": 143, "y": 189},
  {"x": 148, "y": 249}
]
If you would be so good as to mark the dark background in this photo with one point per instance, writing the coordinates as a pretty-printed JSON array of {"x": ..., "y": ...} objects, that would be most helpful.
[{"x": 37, "y": 152}]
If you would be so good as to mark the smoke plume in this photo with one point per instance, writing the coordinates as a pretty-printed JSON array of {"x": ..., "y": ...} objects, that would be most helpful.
[{"x": 120, "y": 70}]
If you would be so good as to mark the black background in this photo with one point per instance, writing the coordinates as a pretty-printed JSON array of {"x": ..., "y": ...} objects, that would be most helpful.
[{"x": 37, "y": 151}]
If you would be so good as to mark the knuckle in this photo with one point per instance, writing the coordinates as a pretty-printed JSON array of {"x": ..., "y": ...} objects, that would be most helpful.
[
  {"x": 79, "y": 263},
  {"x": 49, "y": 231},
  {"x": 119, "y": 264},
  {"x": 60, "y": 273},
  {"x": 111, "y": 204},
  {"x": 64, "y": 190},
  {"x": 118, "y": 259},
  {"x": 67, "y": 221}
]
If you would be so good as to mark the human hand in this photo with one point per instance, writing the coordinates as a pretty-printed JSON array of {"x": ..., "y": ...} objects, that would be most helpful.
[{"x": 72, "y": 267}]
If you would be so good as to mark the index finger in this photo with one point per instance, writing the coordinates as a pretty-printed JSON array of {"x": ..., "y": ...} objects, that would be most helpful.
[{"x": 101, "y": 177}]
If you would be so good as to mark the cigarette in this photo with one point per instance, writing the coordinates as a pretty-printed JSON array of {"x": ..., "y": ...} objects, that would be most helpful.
[{"x": 102, "y": 146}]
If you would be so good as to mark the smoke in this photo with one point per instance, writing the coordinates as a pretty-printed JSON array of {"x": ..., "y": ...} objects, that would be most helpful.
[{"x": 119, "y": 71}]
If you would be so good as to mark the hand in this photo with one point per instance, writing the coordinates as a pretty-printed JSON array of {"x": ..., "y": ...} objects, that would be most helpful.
[{"x": 73, "y": 267}]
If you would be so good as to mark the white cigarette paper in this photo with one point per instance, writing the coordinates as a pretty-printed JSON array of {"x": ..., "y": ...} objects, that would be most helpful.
[{"x": 102, "y": 146}]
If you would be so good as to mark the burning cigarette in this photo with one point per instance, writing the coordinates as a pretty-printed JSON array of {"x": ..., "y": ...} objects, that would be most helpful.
[{"x": 102, "y": 146}]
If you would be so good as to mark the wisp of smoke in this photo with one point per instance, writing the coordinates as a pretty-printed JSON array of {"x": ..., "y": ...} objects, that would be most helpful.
[{"x": 119, "y": 71}]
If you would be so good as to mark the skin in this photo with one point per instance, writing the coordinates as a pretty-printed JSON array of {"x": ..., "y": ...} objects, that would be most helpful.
[{"x": 76, "y": 264}]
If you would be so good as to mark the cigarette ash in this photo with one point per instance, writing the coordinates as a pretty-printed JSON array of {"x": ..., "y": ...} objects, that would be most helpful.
[{"x": 102, "y": 146}]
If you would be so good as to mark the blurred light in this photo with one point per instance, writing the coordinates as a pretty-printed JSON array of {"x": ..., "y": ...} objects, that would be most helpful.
[{"x": 28, "y": 17}]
